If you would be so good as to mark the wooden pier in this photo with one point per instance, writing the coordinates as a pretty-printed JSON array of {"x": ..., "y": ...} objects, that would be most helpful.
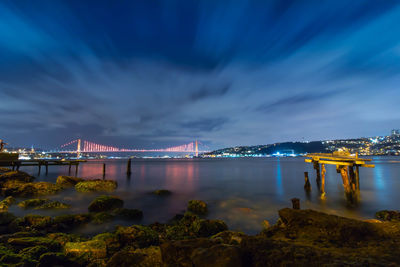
[
  {"x": 15, "y": 163},
  {"x": 347, "y": 165}
]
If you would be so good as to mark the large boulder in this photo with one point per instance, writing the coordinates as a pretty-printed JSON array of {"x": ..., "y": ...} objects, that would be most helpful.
[
  {"x": 24, "y": 242},
  {"x": 70, "y": 221},
  {"x": 111, "y": 240},
  {"x": 221, "y": 255},
  {"x": 162, "y": 192},
  {"x": 32, "y": 203},
  {"x": 105, "y": 203},
  {"x": 197, "y": 206},
  {"x": 96, "y": 186},
  {"x": 68, "y": 181}
]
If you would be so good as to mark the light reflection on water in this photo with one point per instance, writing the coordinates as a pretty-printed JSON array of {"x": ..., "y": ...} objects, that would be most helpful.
[{"x": 243, "y": 192}]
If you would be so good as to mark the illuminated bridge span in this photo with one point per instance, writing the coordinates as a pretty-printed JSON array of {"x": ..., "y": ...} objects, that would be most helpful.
[{"x": 82, "y": 146}]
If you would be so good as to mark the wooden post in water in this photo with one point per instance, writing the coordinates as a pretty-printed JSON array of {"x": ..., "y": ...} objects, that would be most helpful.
[
  {"x": 316, "y": 167},
  {"x": 104, "y": 170},
  {"x": 323, "y": 171},
  {"x": 345, "y": 178},
  {"x": 128, "y": 167},
  {"x": 357, "y": 177},
  {"x": 47, "y": 167},
  {"x": 40, "y": 166},
  {"x": 352, "y": 179},
  {"x": 69, "y": 168},
  {"x": 295, "y": 203},
  {"x": 307, "y": 184}
]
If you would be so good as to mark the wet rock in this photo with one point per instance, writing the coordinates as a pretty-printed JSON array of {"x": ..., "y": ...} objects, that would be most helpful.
[
  {"x": 162, "y": 192},
  {"x": 24, "y": 242},
  {"x": 128, "y": 214},
  {"x": 229, "y": 237},
  {"x": 105, "y": 203},
  {"x": 68, "y": 181},
  {"x": 5, "y": 203},
  {"x": 93, "y": 249},
  {"x": 198, "y": 207},
  {"x": 32, "y": 222},
  {"x": 388, "y": 215},
  {"x": 56, "y": 259},
  {"x": 138, "y": 236},
  {"x": 218, "y": 255},
  {"x": 205, "y": 228},
  {"x": 64, "y": 238},
  {"x": 15, "y": 176},
  {"x": 32, "y": 203},
  {"x": 147, "y": 257},
  {"x": 96, "y": 186},
  {"x": 178, "y": 253}
]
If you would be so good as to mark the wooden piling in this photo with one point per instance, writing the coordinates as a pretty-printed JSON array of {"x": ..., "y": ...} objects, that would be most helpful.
[
  {"x": 295, "y": 203},
  {"x": 307, "y": 184},
  {"x": 47, "y": 167},
  {"x": 76, "y": 169},
  {"x": 104, "y": 170},
  {"x": 317, "y": 169},
  {"x": 323, "y": 172},
  {"x": 69, "y": 168},
  {"x": 345, "y": 179},
  {"x": 357, "y": 177},
  {"x": 352, "y": 179},
  {"x": 40, "y": 166},
  {"x": 128, "y": 167}
]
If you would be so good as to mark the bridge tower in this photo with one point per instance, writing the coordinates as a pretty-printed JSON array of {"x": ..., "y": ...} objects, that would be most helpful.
[
  {"x": 196, "y": 149},
  {"x": 78, "y": 149}
]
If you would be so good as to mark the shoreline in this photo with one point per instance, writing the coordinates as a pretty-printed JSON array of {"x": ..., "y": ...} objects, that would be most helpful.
[{"x": 187, "y": 239}]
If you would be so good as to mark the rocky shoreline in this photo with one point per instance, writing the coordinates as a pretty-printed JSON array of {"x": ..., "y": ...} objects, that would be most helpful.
[{"x": 300, "y": 237}]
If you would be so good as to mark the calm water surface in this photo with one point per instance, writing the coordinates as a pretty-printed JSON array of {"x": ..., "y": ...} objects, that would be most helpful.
[{"x": 243, "y": 192}]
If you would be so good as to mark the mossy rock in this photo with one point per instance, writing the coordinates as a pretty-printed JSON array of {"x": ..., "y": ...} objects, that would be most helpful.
[
  {"x": 128, "y": 214},
  {"x": 33, "y": 221},
  {"x": 96, "y": 186},
  {"x": 93, "y": 249},
  {"x": 15, "y": 176},
  {"x": 162, "y": 192},
  {"x": 68, "y": 181},
  {"x": 64, "y": 238},
  {"x": 22, "y": 189},
  {"x": 7, "y": 202},
  {"x": 24, "y": 242},
  {"x": 230, "y": 237},
  {"x": 206, "y": 228},
  {"x": 53, "y": 205},
  {"x": 105, "y": 203},
  {"x": 102, "y": 217},
  {"x": 137, "y": 236},
  {"x": 32, "y": 203},
  {"x": 198, "y": 207}
]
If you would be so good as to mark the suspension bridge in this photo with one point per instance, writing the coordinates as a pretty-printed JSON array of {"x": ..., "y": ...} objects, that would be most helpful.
[{"x": 79, "y": 146}]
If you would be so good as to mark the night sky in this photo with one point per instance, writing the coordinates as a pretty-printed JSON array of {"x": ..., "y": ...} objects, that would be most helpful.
[{"x": 159, "y": 73}]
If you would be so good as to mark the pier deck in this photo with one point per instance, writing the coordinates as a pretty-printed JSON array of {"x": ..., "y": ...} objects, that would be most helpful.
[{"x": 16, "y": 163}]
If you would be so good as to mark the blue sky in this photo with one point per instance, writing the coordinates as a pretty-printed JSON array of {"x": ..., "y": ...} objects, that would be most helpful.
[{"x": 160, "y": 73}]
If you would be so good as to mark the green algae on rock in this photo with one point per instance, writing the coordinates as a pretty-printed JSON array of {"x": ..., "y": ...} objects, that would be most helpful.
[
  {"x": 68, "y": 181},
  {"x": 198, "y": 207},
  {"x": 32, "y": 203},
  {"x": 15, "y": 176},
  {"x": 22, "y": 189},
  {"x": 145, "y": 257},
  {"x": 205, "y": 228},
  {"x": 105, "y": 203},
  {"x": 388, "y": 215},
  {"x": 96, "y": 186},
  {"x": 128, "y": 214},
  {"x": 92, "y": 249}
]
